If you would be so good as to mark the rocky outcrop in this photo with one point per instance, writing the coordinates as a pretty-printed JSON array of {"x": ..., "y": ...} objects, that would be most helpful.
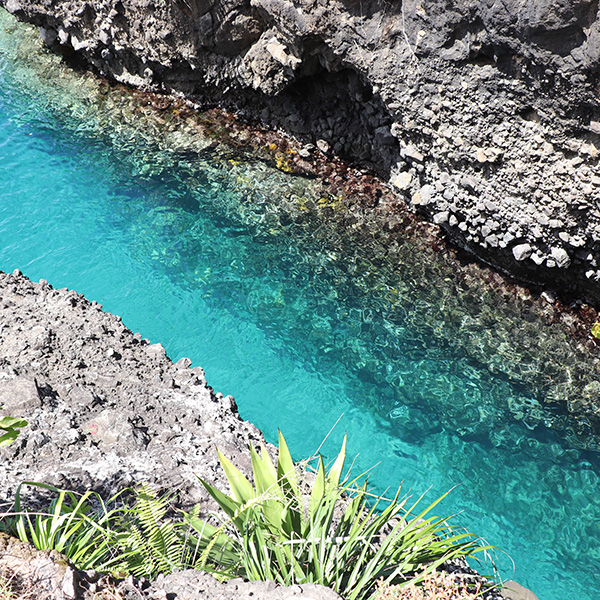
[
  {"x": 485, "y": 115},
  {"x": 106, "y": 410},
  {"x": 28, "y": 573}
]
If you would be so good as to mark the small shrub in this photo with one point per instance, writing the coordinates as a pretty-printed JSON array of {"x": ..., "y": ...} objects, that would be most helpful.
[
  {"x": 144, "y": 542},
  {"x": 125, "y": 539},
  {"x": 9, "y": 429},
  {"x": 342, "y": 536},
  {"x": 68, "y": 525}
]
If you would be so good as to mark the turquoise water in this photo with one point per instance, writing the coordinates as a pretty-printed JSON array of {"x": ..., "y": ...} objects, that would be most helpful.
[{"x": 302, "y": 318}]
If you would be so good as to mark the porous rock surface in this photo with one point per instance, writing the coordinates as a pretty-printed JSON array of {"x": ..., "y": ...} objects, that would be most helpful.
[
  {"x": 106, "y": 409},
  {"x": 30, "y": 574},
  {"x": 484, "y": 113}
]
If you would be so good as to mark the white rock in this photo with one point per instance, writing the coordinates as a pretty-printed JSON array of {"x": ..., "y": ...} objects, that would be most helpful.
[
  {"x": 561, "y": 257},
  {"x": 594, "y": 125},
  {"x": 522, "y": 251},
  {"x": 427, "y": 192},
  {"x": 411, "y": 152},
  {"x": 12, "y": 6},
  {"x": 401, "y": 181},
  {"x": 323, "y": 146},
  {"x": 280, "y": 53},
  {"x": 441, "y": 217}
]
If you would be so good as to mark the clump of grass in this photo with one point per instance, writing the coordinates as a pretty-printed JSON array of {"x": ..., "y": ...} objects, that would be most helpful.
[{"x": 435, "y": 585}]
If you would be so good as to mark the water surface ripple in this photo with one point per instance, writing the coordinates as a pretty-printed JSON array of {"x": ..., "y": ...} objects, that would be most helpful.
[{"x": 302, "y": 312}]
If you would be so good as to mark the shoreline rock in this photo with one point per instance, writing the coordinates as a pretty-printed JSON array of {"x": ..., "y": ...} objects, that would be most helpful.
[
  {"x": 484, "y": 116},
  {"x": 107, "y": 410}
]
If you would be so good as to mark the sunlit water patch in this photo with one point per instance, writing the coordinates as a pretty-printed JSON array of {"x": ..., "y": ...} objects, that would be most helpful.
[{"x": 304, "y": 311}]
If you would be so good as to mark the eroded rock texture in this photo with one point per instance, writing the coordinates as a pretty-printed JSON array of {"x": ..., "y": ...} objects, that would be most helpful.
[
  {"x": 105, "y": 408},
  {"x": 485, "y": 114}
]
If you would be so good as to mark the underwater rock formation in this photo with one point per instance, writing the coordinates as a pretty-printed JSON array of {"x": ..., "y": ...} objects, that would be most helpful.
[{"x": 484, "y": 115}]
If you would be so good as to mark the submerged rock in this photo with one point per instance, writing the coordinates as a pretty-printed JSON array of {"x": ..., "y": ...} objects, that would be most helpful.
[{"x": 495, "y": 101}]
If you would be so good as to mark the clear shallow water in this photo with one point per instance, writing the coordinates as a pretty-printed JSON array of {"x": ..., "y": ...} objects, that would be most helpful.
[{"x": 231, "y": 263}]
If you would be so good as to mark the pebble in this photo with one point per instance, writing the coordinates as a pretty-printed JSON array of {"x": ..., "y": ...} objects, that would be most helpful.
[
  {"x": 411, "y": 151},
  {"x": 561, "y": 257},
  {"x": 401, "y": 181},
  {"x": 441, "y": 218},
  {"x": 323, "y": 146}
]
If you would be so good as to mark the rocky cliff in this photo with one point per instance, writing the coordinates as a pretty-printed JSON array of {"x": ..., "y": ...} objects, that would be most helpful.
[{"x": 484, "y": 114}]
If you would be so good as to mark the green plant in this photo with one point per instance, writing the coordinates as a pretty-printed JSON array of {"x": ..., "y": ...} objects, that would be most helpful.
[
  {"x": 339, "y": 536},
  {"x": 145, "y": 542},
  {"x": 69, "y": 526},
  {"x": 124, "y": 539},
  {"x": 9, "y": 429}
]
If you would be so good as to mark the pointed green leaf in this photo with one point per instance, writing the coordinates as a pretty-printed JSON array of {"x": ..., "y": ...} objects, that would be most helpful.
[
  {"x": 206, "y": 530},
  {"x": 318, "y": 490},
  {"x": 273, "y": 514},
  {"x": 268, "y": 464},
  {"x": 228, "y": 504},
  {"x": 286, "y": 471},
  {"x": 265, "y": 478},
  {"x": 12, "y": 423},
  {"x": 335, "y": 473},
  {"x": 8, "y": 437},
  {"x": 241, "y": 488}
]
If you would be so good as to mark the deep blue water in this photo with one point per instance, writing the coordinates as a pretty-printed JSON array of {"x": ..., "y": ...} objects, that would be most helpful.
[{"x": 300, "y": 324}]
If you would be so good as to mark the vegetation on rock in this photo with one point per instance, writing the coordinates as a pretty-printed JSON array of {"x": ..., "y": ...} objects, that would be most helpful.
[
  {"x": 291, "y": 526},
  {"x": 9, "y": 429}
]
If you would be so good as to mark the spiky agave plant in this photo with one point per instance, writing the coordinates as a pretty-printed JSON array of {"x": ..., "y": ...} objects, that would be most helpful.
[{"x": 342, "y": 536}]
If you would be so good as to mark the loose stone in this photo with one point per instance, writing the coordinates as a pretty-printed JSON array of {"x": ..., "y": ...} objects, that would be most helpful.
[{"x": 522, "y": 251}]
